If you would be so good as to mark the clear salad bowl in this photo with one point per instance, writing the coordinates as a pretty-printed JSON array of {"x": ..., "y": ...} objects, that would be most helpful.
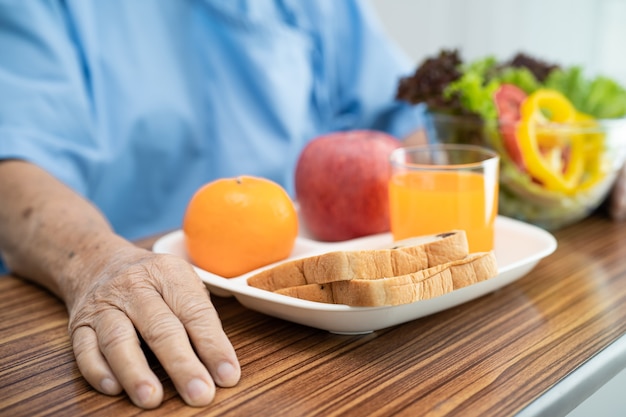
[{"x": 551, "y": 175}]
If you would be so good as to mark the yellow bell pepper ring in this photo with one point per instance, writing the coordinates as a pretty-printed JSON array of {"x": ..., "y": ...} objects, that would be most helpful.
[
  {"x": 593, "y": 143},
  {"x": 546, "y": 105},
  {"x": 556, "y": 161}
]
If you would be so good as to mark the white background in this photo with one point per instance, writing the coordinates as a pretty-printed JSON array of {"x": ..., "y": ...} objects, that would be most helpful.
[{"x": 591, "y": 33}]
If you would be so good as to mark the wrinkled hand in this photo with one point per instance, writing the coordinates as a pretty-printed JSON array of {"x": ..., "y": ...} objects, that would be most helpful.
[{"x": 161, "y": 298}]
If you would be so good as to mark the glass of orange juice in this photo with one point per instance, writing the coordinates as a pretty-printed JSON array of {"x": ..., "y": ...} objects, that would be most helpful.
[{"x": 436, "y": 188}]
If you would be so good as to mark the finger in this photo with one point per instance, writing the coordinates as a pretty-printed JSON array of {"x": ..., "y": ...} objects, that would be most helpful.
[
  {"x": 120, "y": 346},
  {"x": 92, "y": 365},
  {"x": 204, "y": 327},
  {"x": 168, "y": 340}
]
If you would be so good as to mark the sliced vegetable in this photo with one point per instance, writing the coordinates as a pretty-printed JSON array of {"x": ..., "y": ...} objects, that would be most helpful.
[
  {"x": 538, "y": 110},
  {"x": 508, "y": 99},
  {"x": 553, "y": 147},
  {"x": 593, "y": 142}
]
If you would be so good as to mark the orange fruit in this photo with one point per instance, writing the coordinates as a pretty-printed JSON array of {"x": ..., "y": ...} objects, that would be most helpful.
[{"x": 235, "y": 225}]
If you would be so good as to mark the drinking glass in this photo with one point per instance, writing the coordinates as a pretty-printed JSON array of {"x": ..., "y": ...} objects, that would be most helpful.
[{"x": 436, "y": 188}]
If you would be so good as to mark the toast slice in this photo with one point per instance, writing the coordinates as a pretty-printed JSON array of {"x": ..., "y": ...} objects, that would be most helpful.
[
  {"x": 399, "y": 258},
  {"x": 420, "y": 285}
]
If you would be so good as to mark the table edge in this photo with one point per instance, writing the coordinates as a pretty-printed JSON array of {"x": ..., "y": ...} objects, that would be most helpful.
[{"x": 580, "y": 384}]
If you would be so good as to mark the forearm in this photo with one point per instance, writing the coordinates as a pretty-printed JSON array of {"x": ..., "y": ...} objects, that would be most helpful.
[
  {"x": 113, "y": 291},
  {"x": 50, "y": 234}
]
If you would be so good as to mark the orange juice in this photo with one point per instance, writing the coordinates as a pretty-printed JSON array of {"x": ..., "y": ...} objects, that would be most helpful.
[{"x": 428, "y": 202}]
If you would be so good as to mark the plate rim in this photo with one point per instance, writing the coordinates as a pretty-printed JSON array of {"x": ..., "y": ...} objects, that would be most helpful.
[{"x": 238, "y": 285}]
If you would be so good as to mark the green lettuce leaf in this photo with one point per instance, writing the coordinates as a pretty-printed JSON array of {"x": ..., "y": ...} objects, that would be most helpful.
[
  {"x": 520, "y": 77},
  {"x": 600, "y": 97},
  {"x": 475, "y": 89},
  {"x": 480, "y": 80}
]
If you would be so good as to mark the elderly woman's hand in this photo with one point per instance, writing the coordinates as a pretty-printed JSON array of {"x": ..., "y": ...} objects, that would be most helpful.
[
  {"x": 162, "y": 299},
  {"x": 116, "y": 293}
]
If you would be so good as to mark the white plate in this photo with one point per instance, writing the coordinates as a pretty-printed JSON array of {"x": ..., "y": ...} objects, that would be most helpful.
[{"x": 518, "y": 248}]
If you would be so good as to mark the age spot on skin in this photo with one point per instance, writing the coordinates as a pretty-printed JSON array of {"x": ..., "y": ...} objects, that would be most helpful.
[{"x": 27, "y": 212}]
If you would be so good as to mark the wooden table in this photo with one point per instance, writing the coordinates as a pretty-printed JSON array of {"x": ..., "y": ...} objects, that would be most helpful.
[{"x": 493, "y": 356}]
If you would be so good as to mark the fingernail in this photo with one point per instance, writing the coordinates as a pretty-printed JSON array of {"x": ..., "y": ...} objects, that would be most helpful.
[
  {"x": 198, "y": 390},
  {"x": 109, "y": 386},
  {"x": 226, "y": 372},
  {"x": 144, "y": 393}
]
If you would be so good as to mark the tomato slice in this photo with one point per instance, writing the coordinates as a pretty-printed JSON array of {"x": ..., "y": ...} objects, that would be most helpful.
[{"x": 508, "y": 99}]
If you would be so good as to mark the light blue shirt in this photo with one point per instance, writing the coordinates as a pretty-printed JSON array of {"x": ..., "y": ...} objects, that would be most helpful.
[{"x": 137, "y": 103}]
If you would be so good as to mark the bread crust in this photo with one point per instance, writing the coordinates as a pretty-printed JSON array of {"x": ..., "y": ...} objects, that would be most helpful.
[
  {"x": 399, "y": 258},
  {"x": 403, "y": 289}
]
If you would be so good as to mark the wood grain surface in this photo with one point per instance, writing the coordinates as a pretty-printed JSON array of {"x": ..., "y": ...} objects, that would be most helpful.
[{"x": 488, "y": 357}]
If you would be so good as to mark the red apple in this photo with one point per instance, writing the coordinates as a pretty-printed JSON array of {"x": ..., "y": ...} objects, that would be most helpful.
[{"x": 341, "y": 184}]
